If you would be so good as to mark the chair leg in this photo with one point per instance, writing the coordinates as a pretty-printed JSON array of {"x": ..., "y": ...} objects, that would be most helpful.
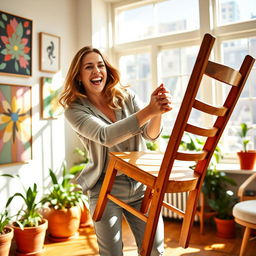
[
  {"x": 106, "y": 188},
  {"x": 246, "y": 236},
  {"x": 201, "y": 219},
  {"x": 146, "y": 200},
  {"x": 151, "y": 224},
  {"x": 188, "y": 220}
]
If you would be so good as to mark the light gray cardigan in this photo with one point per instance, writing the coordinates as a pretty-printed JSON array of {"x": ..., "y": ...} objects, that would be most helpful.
[{"x": 99, "y": 135}]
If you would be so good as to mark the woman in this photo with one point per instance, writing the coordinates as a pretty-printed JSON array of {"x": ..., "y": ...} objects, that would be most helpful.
[{"x": 107, "y": 117}]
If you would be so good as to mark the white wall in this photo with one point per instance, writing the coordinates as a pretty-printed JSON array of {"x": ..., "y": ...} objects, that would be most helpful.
[{"x": 53, "y": 140}]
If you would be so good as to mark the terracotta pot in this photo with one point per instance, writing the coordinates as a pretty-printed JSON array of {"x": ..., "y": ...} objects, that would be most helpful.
[
  {"x": 5, "y": 241},
  {"x": 225, "y": 228},
  {"x": 247, "y": 159},
  {"x": 85, "y": 219},
  {"x": 63, "y": 223},
  {"x": 30, "y": 240}
]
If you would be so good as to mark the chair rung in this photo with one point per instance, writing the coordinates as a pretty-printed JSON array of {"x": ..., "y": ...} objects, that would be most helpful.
[
  {"x": 127, "y": 207},
  {"x": 223, "y": 73},
  {"x": 217, "y": 111},
  {"x": 174, "y": 209},
  {"x": 207, "y": 132},
  {"x": 191, "y": 156}
]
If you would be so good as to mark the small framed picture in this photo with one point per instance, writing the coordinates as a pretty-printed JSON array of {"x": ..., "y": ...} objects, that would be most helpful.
[
  {"x": 49, "y": 93},
  {"x": 15, "y": 124},
  {"x": 49, "y": 52},
  {"x": 15, "y": 45}
]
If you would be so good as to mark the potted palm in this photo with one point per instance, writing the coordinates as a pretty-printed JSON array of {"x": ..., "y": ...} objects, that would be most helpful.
[
  {"x": 6, "y": 233},
  {"x": 246, "y": 157},
  {"x": 63, "y": 202},
  {"x": 29, "y": 225}
]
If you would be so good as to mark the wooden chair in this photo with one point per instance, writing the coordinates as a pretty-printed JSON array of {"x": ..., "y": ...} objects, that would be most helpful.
[
  {"x": 245, "y": 212},
  {"x": 157, "y": 170},
  {"x": 241, "y": 190}
]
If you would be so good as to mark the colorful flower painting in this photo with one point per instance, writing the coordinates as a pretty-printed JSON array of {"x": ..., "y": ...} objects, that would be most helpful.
[
  {"x": 15, "y": 124},
  {"x": 50, "y": 91},
  {"x": 15, "y": 44}
]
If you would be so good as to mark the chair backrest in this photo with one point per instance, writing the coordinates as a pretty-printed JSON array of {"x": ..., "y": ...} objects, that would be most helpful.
[{"x": 203, "y": 66}]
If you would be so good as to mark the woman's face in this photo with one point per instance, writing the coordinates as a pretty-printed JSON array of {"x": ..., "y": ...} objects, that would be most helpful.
[{"x": 93, "y": 73}]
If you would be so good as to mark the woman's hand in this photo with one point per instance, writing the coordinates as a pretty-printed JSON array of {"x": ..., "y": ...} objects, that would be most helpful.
[{"x": 160, "y": 101}]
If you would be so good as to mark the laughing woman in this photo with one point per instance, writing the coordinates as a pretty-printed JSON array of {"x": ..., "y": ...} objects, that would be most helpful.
[{"x": 107, "y": 117}]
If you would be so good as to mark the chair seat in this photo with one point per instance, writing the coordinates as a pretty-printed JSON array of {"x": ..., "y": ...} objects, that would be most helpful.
[
  {"x": 246, "y": 211},
  {"x": 150, "y": 163}
]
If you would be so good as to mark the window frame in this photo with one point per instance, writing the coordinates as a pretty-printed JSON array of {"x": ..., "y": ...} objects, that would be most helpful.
[{"x": 208, "y": 23}]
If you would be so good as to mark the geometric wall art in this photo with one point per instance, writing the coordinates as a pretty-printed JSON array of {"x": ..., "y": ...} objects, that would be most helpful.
[
  {"x": 15, "y": 124},
  {"x": 15, "y": 45}
]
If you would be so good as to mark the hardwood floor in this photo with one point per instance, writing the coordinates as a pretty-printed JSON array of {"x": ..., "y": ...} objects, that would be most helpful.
[{"x": 203, "y": 245}]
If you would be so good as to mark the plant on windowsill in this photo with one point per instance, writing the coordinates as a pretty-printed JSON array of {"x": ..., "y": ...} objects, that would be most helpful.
[
  {"x": 6, "y": 233},
  {"x": 247, "y": 158},
  {"x": 63, "y": 204},
  {"x": 29, "y": 225}
]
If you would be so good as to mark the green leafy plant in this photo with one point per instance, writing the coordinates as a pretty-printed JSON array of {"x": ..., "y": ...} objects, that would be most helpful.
[
  {"x": 152, "y": 145},
  {"x": 223, "y": 204},
  {"x": 63, "y": 193},
  {"x": 4, "y": 221},
  {"x": 79, "y": 166},
  {"x": 29, "y": 215},
  {"x": 243, "y": 133}
]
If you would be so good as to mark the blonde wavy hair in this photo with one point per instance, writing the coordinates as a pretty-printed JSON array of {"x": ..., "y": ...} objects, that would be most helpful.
[{"x": 115, "y": 93}]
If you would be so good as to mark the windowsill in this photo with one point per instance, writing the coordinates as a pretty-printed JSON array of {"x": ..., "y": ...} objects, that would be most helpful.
[{"x": 233, "y": 168}]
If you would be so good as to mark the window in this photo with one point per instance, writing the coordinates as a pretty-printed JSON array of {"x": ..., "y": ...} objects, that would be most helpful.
[
  {"x": 233, "y": 52},
  {"x": 136, "y": 72},
  {"x": 157, "y": 18},
  {"x": 231, "y": 11},
  {"x": 162, "y": 38}
]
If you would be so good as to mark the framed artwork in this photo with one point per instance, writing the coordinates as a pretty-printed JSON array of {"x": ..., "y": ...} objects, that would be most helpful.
[
  {"x": 49, "y": 52},
  {"x": 15, "y": 124},
  {"x": 15, "y": 45},
  {"x": 49, "y": 91}
]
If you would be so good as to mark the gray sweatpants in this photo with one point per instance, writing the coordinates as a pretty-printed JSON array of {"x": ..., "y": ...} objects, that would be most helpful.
[{"x": 109, "y": 229}]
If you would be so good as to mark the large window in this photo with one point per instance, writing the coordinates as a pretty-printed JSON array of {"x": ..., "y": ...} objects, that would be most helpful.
[
  {"x": 156, "y": 18},
  {"x": 157, "y": 41}
]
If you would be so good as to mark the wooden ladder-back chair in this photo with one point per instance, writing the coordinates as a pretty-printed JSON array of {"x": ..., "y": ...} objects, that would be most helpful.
[{"x": 157, "y": 170}]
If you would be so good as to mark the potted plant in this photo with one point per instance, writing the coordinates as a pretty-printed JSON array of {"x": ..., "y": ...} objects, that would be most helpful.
[
  {"x": 246, "y": 157},
  {"x": 29, "y": 225},
  {"x": 85, "y": 219},
  {"x": 223, "y": 205},
  {"x": 63, "y": 206},
  {"x": 215, "y": 183},
  {"x": 6, "y": 233}
]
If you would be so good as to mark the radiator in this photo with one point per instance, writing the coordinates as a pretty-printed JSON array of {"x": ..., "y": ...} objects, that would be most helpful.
[{"x": 178, "y": 200}]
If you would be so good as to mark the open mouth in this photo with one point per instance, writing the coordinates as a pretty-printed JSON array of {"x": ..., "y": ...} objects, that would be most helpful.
[{"x": 96, "y": 81}]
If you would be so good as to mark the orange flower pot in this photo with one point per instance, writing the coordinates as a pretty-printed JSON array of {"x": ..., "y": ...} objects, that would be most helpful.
[
  {"x": 85, "y": 220},
  {"x": 30, "y": 240},
  {"x": 247, "y": 159},
  {"x": 5, "y": 241},
  {"x": 63, "y": 224},
  {"x": 225, "y": 228}
]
